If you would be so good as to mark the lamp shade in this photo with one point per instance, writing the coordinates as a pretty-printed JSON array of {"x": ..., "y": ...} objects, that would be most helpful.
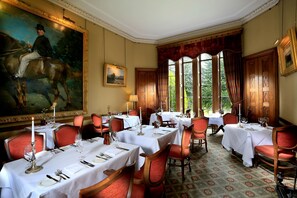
[{"x": 133, "y": 98}]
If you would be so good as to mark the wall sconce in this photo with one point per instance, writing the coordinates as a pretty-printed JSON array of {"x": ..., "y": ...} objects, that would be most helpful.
[{"x": 133, "y": 99}]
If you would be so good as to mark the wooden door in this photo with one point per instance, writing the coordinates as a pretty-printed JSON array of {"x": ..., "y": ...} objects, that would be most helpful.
[
  {"x": 261, "y": 86},
  {"x": 146, "y": 89}
]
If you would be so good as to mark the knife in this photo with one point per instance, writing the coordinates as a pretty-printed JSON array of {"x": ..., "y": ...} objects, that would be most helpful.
[
  {"x": 125, "y": 149},
  {"x": 87, "y": 163},
  {"x": 50, "y": 177}
]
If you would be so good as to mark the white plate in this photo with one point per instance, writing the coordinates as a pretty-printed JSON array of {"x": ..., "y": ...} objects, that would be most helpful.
[
  {"x": 47, "y": 182},
  {"x": 98, "y": 160}
]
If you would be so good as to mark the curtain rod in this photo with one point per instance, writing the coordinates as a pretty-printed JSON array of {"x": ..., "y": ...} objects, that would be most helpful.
[{"x": 202, "y": 38}]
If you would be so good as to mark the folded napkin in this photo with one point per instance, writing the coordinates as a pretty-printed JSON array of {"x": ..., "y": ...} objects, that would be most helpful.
[
  {"x": 112, "y": 152},
  {"x": 73, "y": 168}
]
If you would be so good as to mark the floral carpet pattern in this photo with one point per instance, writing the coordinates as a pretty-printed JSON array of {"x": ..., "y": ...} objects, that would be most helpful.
[{"x": 218, "y": 173}]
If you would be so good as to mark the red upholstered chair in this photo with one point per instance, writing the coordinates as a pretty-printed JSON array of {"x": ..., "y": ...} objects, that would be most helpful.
[
  {"x": 98, "y": 126},
  {"x": 199, "y": 131},
  {"x": 65, "y": 135},
  {"x": 182, "y": 152},
  {"x": 283, "y": 150},
  {"x": 15, "y": 145},
  {"x": 166, "y": 123},
  {"x": 116, "y": 185},
  {"x": 116, "y": 124},
  {"x": 78, "y": 120},
  {"x": 151, "y": 176},
  {"x": 228, "y": 118},
  {"x": 133, "y": 112}
]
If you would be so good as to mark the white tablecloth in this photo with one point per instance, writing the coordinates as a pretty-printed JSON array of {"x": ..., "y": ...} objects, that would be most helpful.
[
  {"x": 13, "y": 178},
  {"x": 166, "y": 116},
  {"x": 152, "y": 140},
  {"x": 48, "y": 130},
  {"x": 215, "y": 119},
  {"x": 129, "y": 121},
  {"x": 243, "y": 140}
]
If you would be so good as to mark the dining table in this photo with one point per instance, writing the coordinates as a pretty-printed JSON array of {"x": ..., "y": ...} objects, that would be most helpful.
[
  {"x": 48, "y": 130},
  {"x": 151, "y": 139},
  {"x": 128, "y": 120},
  {"x": 82, "y": 166},
  {"x": 242, "y": 138}
]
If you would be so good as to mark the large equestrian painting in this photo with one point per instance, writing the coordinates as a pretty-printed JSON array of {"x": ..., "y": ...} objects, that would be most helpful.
[{"x": 46, "y": 80}]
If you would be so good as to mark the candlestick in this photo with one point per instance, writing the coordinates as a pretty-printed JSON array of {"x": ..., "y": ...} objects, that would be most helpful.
[
  {"x": 239, "y": 109},
  {"x": 33, "y": 133},
  {"x": 140, "y": 114},
  {"x": 33, "y": 168}
]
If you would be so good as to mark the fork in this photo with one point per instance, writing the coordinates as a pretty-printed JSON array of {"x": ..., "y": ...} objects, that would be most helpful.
[
  {"x": 104, "y": 155},
  {"x": 61, "y": 173}
]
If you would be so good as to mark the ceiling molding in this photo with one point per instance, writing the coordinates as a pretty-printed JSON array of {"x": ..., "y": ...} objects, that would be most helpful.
[{"x": 66, "y": 5}]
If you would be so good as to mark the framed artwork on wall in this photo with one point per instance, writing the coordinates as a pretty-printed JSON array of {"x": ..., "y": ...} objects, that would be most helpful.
[
  {"x": 115, "y": 76},
  {"x": 287, "y": 53},
  {"x": 48, "y": 81}
]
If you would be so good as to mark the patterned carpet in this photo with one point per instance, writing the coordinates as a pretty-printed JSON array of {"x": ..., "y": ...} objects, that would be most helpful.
[{"x": 218, "y": 173}]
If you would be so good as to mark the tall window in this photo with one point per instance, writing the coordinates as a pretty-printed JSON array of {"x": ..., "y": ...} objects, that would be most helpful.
[
  {"x": 207, "y": 91},
  {"x": 172, "y": 86}
]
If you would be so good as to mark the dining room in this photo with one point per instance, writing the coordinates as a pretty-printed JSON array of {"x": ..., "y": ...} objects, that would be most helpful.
[{"x": 232, "y": 67}]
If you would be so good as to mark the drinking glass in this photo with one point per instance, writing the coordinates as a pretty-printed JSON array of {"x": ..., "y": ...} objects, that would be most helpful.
[
  {"x": 28, "y": 152},
  {"x": 115, "y": 138}
]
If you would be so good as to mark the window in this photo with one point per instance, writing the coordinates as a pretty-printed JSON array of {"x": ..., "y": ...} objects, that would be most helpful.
[{"x": 198, "y": 84}]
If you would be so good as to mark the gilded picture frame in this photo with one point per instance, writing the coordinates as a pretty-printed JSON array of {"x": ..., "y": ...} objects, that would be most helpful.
[
  {"x": 287, "y": 56},
  {"x": 69, "y": 42},
  {"x": 115, "y": 76}
]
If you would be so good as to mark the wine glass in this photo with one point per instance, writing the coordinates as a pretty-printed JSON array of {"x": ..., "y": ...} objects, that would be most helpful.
[
  {"x": 115, "y": 138},
  {"x": 28, "y": 152},
  {"x": 244, "y": 120}
]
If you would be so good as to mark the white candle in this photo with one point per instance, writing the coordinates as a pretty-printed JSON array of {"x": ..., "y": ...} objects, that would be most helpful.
[
  {"x": 140, "y": 116},
  {"x": 33, "y": 134},
  {"x": 54, "y": 111},
  {"x": 239, "y": 109}
]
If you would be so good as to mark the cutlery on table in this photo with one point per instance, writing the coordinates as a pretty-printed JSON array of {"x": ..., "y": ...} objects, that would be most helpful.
[
  {"x": 60, "y": 175},
  {"x": 122, "y": 148},
  {"x": 60, "y": 172},
  {"x": 105, "y": 155},
  {"x": 87, "y": 163},
  {"x": 102, "y": 157},
  {"x": 50, "y": 177}
]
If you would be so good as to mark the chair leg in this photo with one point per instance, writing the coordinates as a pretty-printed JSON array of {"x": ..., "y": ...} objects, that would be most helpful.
[
  {"x": 205, "y": 142},
  {"x": 275, "y": 169},
  {"x": 189, "y": 164},
  {"x": 183, "y": 169}
]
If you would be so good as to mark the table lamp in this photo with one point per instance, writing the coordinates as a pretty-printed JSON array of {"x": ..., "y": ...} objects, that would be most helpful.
[{"x": 133, "y": 99}]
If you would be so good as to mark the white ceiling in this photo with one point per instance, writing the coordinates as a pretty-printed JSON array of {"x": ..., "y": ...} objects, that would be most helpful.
[{"x": 161, "y": 21}]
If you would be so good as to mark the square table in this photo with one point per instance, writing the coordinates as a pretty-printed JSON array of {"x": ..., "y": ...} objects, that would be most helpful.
[
  {"x": 244, "y": 139},
  {"x": 152, "y": 140},
  {"x": 14, "y": 182}
]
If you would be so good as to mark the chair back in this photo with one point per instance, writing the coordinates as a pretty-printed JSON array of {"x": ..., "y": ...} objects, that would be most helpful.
[
  {"x": 78, "y": 121},
  {"x": 230, "y": 118},
  {"x": 160, "y": 119},
  {"x": 200, "y": 127},
  {"x": 65, "y": 135},
  {"x": 115, "y": 185},
  {"x": 116, "y": 124},
  {"x": 186, "y": 140},
  {"x": 97, "y": 120},
  {"x": 285, "y": 138},
  {"x": 133, "y": 112},
  {"x": 155, "y": 167},
  {"x": 15, "y": 145}
]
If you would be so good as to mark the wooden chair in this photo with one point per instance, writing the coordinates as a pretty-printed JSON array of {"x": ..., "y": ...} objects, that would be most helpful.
[
  {"x": 78, "y": 120},
  {"x": 116, "y": 185},
  {"x": 282, "y": 151},
  {"x": 166, "y": 123},
  {"x": 152, "y": 174},
  {"x": 15, "y": 145},
  {"x": 98, "y": 126},
  {"x": 116, "y": 124},
  {"x": 182, "y": 152},
  {"x": 65, "y": 135},
  {"x": 228, "y": 118},
  {"x": 199, "y": 131},
  {"x": 133, "y": 112}
]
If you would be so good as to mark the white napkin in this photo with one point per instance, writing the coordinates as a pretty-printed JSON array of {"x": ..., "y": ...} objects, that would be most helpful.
[
  {"x": 113, "y": 152},
  {"x": 73, "y": 168}
]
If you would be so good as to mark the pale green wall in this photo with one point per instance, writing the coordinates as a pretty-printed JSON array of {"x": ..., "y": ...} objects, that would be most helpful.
[{"x": 260, "y": 34}]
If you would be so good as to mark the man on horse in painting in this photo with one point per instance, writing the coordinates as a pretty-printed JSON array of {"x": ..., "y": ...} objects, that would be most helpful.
[{"x": 41, "y": 48}]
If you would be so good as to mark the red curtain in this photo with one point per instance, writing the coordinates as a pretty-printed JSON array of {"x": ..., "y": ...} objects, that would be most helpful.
[{"x": 211, "y": 45}]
